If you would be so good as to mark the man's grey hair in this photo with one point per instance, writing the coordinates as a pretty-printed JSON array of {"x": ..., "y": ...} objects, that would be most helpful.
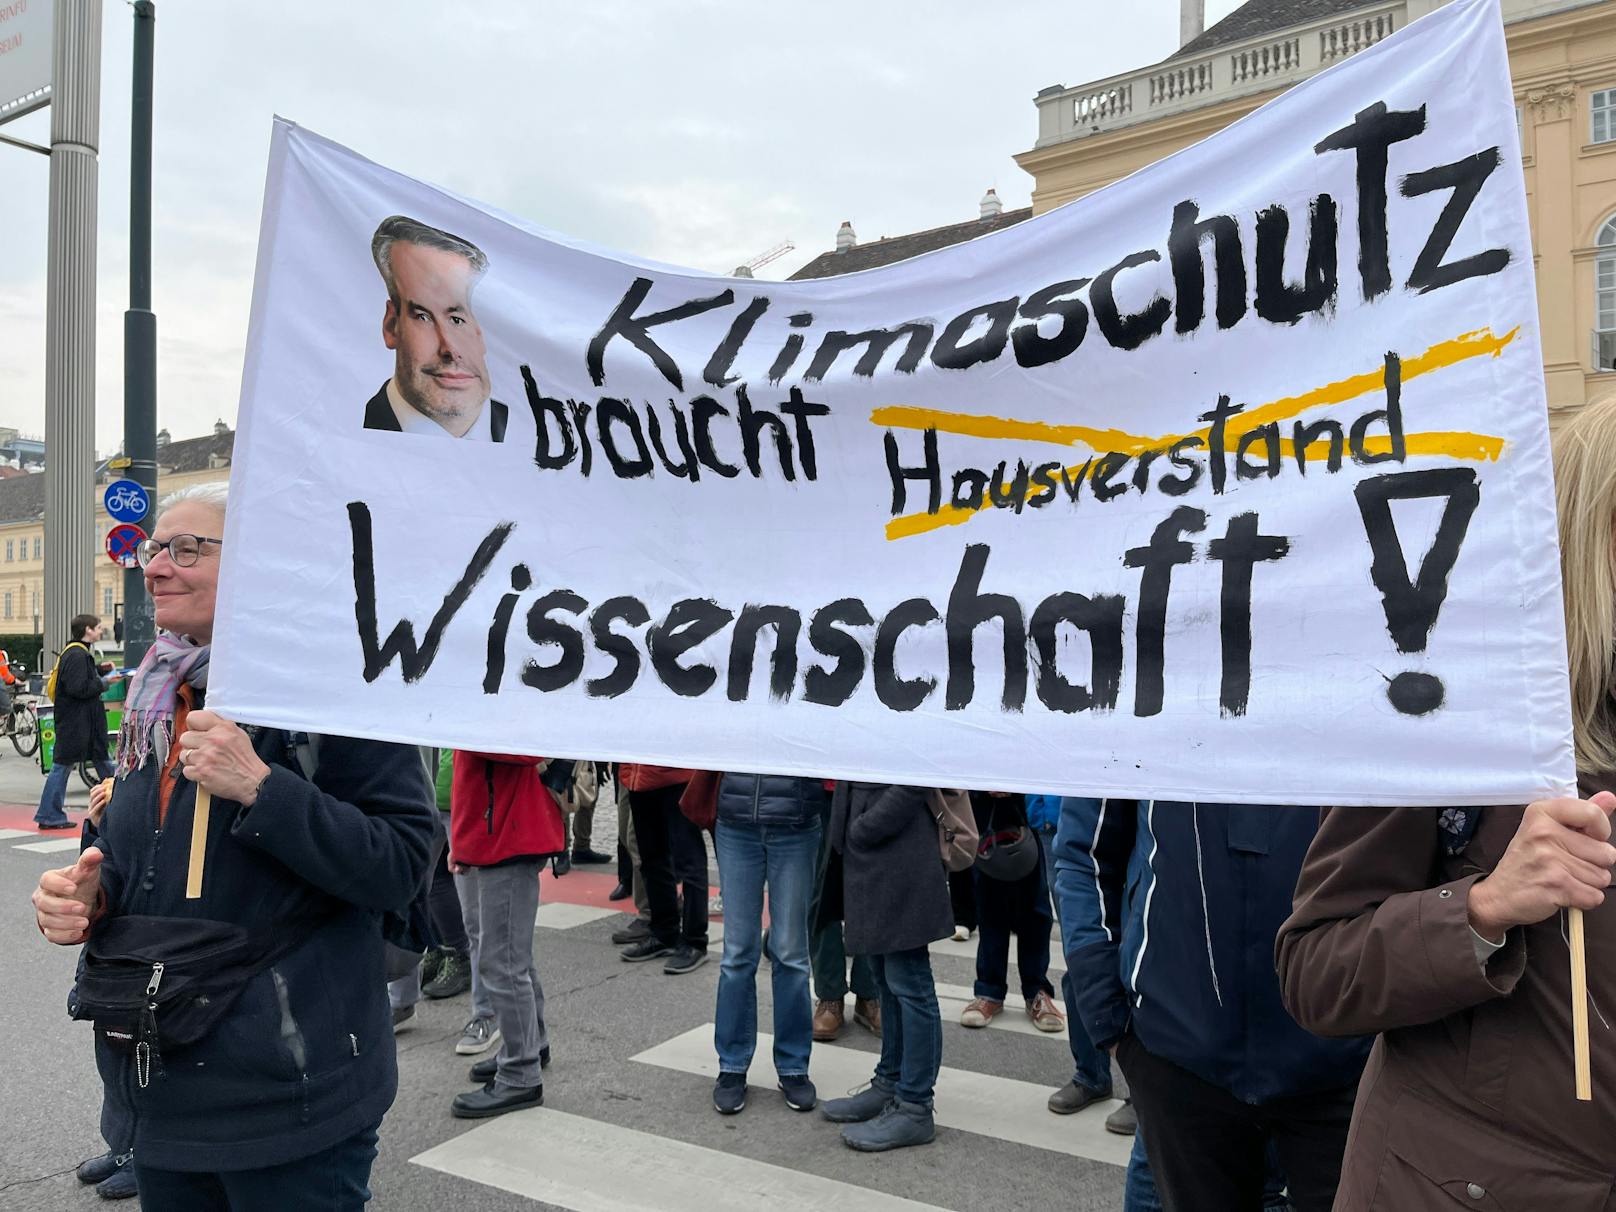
[
  {"x": 215, "y": 494},
  {"x": 401, "y": 228}
]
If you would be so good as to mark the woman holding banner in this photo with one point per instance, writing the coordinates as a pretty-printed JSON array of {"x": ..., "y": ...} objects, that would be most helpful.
[
  {"x": 234, "y": 959},
  {"x": 1443, "y": 931}
]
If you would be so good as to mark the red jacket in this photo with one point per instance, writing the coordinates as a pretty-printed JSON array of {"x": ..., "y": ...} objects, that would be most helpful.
[
  {"x": 500, "y": 812},
  {"x": 649, "y": 778}
]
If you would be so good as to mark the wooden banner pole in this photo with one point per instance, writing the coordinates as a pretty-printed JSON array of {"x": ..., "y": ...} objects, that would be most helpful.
[
  {"x": 1579, "y": 1008},
  {"x": 199, "y": 850}
]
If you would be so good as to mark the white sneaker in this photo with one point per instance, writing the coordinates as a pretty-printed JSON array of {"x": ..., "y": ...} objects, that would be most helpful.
[
  {"x": 480, "y": 1035},
  {"x": 962, "y": 934}
]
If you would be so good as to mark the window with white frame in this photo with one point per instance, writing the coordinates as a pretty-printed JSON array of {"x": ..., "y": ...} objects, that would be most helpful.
[
  {"x": 1603, "y": 106},
  {"x": 8, "y": 605},
  {"x": 106, "y": 600},
  {"x": 36, "y": 547},
  {"x": 1604, "y": 334}
]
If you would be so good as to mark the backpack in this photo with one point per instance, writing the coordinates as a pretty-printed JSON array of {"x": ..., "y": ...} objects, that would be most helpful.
[
  {"x": 50, "y": 682},
  {"x": 957, "y": 835}
]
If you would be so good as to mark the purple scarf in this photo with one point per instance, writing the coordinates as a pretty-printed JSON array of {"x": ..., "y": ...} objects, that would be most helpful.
[{"x": 148, "y": 713}]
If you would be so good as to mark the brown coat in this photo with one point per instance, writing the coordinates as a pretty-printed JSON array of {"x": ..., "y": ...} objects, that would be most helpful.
[{"x": 1467, "y": 1101}]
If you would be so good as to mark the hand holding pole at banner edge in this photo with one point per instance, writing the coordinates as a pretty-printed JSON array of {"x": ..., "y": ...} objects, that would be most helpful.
[
  {"x": 218, "y": 757},
  {"x": 1560, "y": 858}
]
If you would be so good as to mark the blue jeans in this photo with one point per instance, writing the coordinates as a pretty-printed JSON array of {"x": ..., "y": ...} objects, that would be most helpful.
[
  {"x": 750, "y": 859},
  {"x": 911, "y": 1024},
  {"x": 53, "y": 801},
  {"x": 1139, "y": 1195},
  {"x": 334, "y": 1180},
  {"x": 1092, "y": 1067}
]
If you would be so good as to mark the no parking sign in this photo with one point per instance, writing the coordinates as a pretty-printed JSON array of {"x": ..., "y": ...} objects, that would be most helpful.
[{"x": 122, "y": 543}]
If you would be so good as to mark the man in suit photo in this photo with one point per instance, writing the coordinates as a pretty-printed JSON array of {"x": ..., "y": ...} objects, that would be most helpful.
[{"x": 440, "y": 376}]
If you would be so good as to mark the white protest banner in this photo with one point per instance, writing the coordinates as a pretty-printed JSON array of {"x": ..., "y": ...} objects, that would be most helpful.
[{"x": 1228, "y": 482}]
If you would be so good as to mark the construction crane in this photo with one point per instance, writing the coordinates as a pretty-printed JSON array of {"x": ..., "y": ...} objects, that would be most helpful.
[{"x": 762, "y": 259}]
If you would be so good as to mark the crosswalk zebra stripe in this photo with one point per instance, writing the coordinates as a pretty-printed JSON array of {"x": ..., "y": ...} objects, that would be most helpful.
[
  {"x": 967, "y": 950},
  {"x": 585, "y": 1165},
  {"x": 52, "y": 846},
  {"x": 6, "y": 834},
  {"x": 980, "y": 1103},
  {"x": 560, "y": 915}
]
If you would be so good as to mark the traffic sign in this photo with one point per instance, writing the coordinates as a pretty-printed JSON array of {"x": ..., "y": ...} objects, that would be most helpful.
[
  {"x": 122, "y": 542},
  {"x": 126, "y": 501}
]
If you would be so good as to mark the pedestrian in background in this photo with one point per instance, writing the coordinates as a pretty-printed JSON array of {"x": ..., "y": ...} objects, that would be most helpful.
[
  {"x": 673, "y": 867},
  {"x": 1007, "y": 906},
  {"x": 1091, "y": 1067},
  {"x": 505, "y": 824},
  {"x": 828, "y": 950},
  {"x": 894, "y": 903},
  {"x": 80, "y": 721},
  {"x": 767, "y": 838}
]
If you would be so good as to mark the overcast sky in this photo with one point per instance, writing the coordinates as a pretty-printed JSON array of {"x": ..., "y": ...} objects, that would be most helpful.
[{"x": 701, "y": 132}]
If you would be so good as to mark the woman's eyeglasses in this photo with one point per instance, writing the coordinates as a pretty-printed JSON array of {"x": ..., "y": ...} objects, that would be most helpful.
[{"x": 183, "y": 549}]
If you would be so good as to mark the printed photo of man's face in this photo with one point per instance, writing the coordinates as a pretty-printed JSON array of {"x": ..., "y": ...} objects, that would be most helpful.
[{"x": 440, "y": 371}]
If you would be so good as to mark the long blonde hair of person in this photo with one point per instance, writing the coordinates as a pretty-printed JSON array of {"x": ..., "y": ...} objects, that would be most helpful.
[{"x": 1585, "y": 491}]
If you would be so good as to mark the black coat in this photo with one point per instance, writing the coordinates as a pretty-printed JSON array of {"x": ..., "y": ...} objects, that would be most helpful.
[
  {"x": 894, "y": 884},
  {"x": 305, "y": 1056},
  {"x": 80, "y": 717}
]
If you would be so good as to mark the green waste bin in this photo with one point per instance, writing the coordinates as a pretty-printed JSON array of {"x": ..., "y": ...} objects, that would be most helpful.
[{"x": 47, "y": 735}]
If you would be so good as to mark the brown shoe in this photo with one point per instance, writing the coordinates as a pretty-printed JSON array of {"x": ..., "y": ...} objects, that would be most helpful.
[
  {"x": 980, "y": 1011},
  {"x": 1041, "y": 1010},
  {"x": 829, "y": 1016},
  {"x": 867, "y": 1014}
]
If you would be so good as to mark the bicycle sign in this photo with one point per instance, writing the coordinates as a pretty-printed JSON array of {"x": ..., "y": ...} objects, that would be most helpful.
[
  {"x": 122, "y": 543},
  {"x": 126, "y": 501}
]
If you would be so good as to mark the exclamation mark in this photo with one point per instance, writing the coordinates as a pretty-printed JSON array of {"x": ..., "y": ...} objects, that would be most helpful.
[{"x": 1413, "y": 603}]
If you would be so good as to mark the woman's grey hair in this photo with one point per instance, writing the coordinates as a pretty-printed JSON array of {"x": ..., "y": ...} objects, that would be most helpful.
[
  {"x": 401, "y": 229},
  {"x": 215, "y": 494}
]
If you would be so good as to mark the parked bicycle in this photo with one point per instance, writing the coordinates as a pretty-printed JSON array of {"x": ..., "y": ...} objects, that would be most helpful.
[{"x": 21, "y": 721}]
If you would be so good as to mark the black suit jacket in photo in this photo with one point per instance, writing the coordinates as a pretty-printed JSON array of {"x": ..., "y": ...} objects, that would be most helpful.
[{"x": 379, "y": 415}]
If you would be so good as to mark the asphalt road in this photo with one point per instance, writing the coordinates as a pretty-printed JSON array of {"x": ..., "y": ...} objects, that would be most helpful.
[{"x": 628, "y": 1121}]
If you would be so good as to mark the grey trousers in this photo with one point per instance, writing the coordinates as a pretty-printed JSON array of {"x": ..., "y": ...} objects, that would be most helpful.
[
  {"x": 501, "y": 906},
  {"x": 625, "y": 830}
]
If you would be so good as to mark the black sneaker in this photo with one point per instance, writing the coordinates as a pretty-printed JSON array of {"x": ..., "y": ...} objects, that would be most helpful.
[
  {"x": 591, "y": 858},
  {"x": 453, "y": 976},
  {"x": 646, "y": 949},
  {"x": 685, "y": 958},
  {"x": 799, "y": 1092},
  {"x": 729, "y": 1095},
  {"x": 432, "y": 964},
  {"x": 636, "y": 931}
]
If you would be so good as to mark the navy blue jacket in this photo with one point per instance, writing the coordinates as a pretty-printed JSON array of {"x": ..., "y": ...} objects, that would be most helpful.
[
  {"x": 305, "y": 1057},
  {"x": 1168, "y": 915},
  {"x": 779, "y": 800}
]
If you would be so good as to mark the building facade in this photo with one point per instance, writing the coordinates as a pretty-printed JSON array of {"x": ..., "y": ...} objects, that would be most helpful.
[
  {"x": 22, "y": 530},
  {"x": 1562, "y": 59}
]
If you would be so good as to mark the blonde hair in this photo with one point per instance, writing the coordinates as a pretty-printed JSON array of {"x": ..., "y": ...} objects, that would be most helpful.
[{"x": 1585, "y": 491}]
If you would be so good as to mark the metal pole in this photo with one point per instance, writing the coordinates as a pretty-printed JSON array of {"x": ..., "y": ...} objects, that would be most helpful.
[
  {"x": 70, "y": 537},
  {"x": 140, "y": 331}
]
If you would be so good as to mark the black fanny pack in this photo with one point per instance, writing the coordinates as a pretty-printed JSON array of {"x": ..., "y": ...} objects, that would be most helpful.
[{"x": 153, "y": 984}]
